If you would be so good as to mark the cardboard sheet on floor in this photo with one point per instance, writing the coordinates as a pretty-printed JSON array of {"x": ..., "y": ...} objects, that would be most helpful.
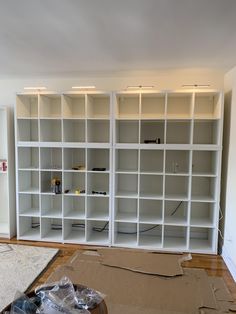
[
  {"x": 132, "y": 290},
  {"x": 144, "y": 262}
]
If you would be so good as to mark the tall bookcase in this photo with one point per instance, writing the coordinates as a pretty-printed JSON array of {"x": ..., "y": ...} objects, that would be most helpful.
[
  {"x": 7, "y": 175},
  {"x": 167, "y": 157},
  {"x": 64, "y": 167},
  {"x": 155, "y": 157}
]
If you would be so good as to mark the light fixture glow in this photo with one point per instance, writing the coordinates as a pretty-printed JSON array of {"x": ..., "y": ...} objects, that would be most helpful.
[
  {"x": 35, "y": 88},
  {"x": 140, "y": 87},
  {"x": 196, "y": 85},
  {"x": 84, "y": 87}
]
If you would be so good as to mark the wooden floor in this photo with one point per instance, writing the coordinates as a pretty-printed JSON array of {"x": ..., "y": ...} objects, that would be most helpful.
[{"x": 213, "y": 264}]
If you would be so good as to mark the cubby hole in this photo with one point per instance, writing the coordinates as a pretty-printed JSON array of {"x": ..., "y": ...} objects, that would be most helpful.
[
  {"x": 98, "y": 158},
  {"x": 127, "y": 131},
  {"x": 207, "y": 106},
  {"x": 150, "y": 211},
  {"x": 150, "y": 235},
  {"x": 74, "y": 207},
  {"x": 51, "y": 229},
  {"x": 74, "y": 183},
  {"x": 50, "y": 130},
  {"x": 74, "y": 106},
  {"x": 176, "y": 187},
  {"x": 49, "y": 184},
  {"x": 204, "y": 163},
  {"x": 179, "y": 106},
  {"x": 176, "y": 212},
  {"x": 27, "y": 130},
  {"x": 29, "y": 205},
  {"x": 152, "y": 132},
  {"x": 175, "y": 237},
  {"x": 51, "y": 158},
  {"x": 74, "y": 131},
  {"x": 98, "y": 131},
  {"x": 98, "y": 231},
  {"x": 203, "y": 214},
  {"x": 74, "y": 231},
  {"x": 127, "y": 106},
  {"x": 203, "y": 188},
  {"x": 27, "y": 106},
  {"x": 98, "y": 208},
  {"x": 127, "y": 185},
  {"x": 74, "y": 159},
  {"x": 151, "y": 186},
  {"x": 126, "y": 160},
  {"x": 178, "y": 132},
  {"x": 126, "y": 209},
  {"x": 177, "y": 162},
  {"x": 98, "y": 106},
  {"x": 28, "y": 158},
  {"x": 206, "y": 132},
  {"x": 201, "y": 239},
  {"x": 51, "y": 206},
  {"x": 152, "y": 106},
  {"x": 29, "y": 228},
  {"x": 98, "y": 184},
  {"x": 126, "y": 234},
  {"x": 28, "y": 181},
  {"x": 151, "y": 161},
  {"x": 50, "y": 106}
]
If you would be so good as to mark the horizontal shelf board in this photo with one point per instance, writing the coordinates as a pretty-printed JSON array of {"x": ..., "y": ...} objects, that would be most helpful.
[
  {"x": 30, "y": 212},
  {"x": 75, "y": 236},
  {"x": 73, "y": 194},
  {"x": 177, "y": 197},
  {"x": 126, "y": 194},
  {"x": 200, "y": 244},
  {"x": 57, "y": 117},
  {"x": 28, "y": 143},
  {"x": 51, "y": 169},
  {"x": 31, "y": 234},
  {"x": 74, "y": 171},
  {"x": 53, "y": 235},
  {"x": 128, "y": 118},
  {"x": 126, "y": 239},
  {"x": 74, "y": 117},
  {"x": 179, "y": 117},
  {"x": 99, "y": 215},
  {"x": 98, "y": 195},
  {"x": 175, "y": 243},
  {"x": 150, "y": 196},
  {"x": 52, "y": 213},
  {"x": 153, "y": 173},
  {"x": 126, "y": 171},
  {"x": 29, "y": 169},
  {"x": 150, "y": 219},
  {"x": 205, "y": 118},
  {"x": 129, "y": 217},
  {"x": 91, "y": 171},
  {"x": 152, "y": 241},
  {"x": 98, "y": 237},
  {"x": 75, "y": 215},
  {"x": 30, "y": 190},
  {"x": 203, "y": 174},
  {"x": 4, "y": 228},
  {"x": 27, "y": 118},
  {"x": 203, "y": 198},
  {"x": 99, "y": 117}
]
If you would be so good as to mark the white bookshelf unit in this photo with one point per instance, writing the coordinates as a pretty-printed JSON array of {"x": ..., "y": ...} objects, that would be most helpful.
[
  {"x": 153, "y": 157},
  {"x": 7, "y": 175},
  {"x": 64, "y": 138},
  {"x": 167, "y": 162}
]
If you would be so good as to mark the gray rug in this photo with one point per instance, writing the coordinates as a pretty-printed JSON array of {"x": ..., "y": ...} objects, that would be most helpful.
[{"x": 20, "y": 265}]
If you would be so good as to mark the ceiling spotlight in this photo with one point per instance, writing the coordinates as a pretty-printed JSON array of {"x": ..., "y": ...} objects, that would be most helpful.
[
  {"x": 35, "y": 88},
  {"x": 84, "y": 87},
  {"x": 196, "y": 85},
  {"x": 140, "y": 87}
]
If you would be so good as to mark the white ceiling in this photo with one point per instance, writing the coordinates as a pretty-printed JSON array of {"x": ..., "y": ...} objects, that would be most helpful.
[{"x": 70, "y": 36}]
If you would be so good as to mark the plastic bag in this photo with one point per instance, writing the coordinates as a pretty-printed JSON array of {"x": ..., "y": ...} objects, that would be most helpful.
[
  {"x": 59, "y": 298},
  {"x": 88, "y": 298},
  {"x": 24, "y": 305}
]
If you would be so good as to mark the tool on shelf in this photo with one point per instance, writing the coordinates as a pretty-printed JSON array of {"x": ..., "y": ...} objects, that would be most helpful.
[{"x": 155, "y": 141}]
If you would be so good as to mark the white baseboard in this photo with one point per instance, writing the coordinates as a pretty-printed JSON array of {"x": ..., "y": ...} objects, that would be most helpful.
[{"x": 229, "y": 263}]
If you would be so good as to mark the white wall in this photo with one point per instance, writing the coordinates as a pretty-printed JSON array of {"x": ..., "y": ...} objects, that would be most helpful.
[
  {"x": 163, "y": 79},
  {"x": 228, "y": 195}
]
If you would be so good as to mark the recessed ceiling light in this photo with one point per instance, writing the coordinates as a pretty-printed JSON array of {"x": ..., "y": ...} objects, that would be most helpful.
[
  {"x": 84, "y": 87},
  {"x": 35, "y": 88},
  {"x": 196, "y": 85},
  {"x": 140, "y": 87}
]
